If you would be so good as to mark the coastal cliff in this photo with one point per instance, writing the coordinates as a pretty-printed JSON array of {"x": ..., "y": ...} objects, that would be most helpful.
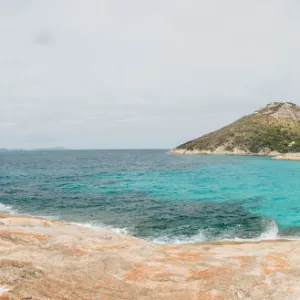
[
  {"x": 43, "y": 259},
  {"x": 272, "y": 130}
]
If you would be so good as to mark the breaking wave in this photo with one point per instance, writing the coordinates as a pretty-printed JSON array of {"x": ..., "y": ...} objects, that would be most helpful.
[
  {"x": 271, "y": 232},
  {"x": 125, "y": 231},
  {"x": 198, "y": 237},
  {"x": 7, "y": 209}
]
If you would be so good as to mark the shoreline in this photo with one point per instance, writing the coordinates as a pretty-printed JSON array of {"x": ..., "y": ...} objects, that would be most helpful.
[
  {"x": 45, "y": 259},
  {"x": 221, "y": 151},
  {"x": 294, "y": 157},
  {"x": 119, "y": 231},
  {"x": 274, "y": 154},
  {"x": 264, "y": 236}
]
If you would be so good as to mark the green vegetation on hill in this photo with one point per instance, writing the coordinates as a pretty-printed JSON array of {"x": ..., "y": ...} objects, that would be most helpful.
[{"x": 273, "y": 128}]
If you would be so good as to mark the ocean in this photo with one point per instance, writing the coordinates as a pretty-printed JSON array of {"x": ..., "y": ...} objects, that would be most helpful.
[{"x": 150, "y": 194}]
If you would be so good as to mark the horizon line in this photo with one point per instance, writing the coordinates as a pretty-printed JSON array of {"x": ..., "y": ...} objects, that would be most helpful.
[{"x": 78, "y": 149}]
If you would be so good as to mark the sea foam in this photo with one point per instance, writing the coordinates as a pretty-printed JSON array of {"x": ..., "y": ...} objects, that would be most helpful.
[
  {"x": 7, "y": 209},
  {"x": 197, "y": 238},
  {"x": 126, "y": 231},
  {"x": 271, "y": 232}
]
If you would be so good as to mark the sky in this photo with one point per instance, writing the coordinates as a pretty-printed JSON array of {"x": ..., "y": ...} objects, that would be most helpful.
[{"x": 140, "y": 73}]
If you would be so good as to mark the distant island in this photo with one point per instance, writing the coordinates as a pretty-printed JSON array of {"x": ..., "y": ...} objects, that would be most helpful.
[
  {"x": 272, "y": 130},
  {"x": 32, "y": 149}
]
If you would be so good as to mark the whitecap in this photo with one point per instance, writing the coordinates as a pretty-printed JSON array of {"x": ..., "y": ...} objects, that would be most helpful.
[
  {"x": 271, "y": 231},
  {"x": 197, "y": 238},
  {"x": 6, "y": 209},
  {"x": 124, "y": 230}
]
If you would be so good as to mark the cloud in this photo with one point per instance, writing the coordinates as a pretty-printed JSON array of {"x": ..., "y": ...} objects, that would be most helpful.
[{"x": 126, "y": 74}]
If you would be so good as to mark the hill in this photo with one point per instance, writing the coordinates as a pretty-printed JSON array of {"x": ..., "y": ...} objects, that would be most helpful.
[{"x": 274, "y": 128}]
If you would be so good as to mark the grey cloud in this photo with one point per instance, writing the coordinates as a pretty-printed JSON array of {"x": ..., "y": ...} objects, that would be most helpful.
[{"x": 133, "y": 73}]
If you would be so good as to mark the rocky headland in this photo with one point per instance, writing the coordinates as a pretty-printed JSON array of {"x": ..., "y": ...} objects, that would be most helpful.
[
  {"x": 42, "y": 259},
  {"x": 273, "y": 130}
]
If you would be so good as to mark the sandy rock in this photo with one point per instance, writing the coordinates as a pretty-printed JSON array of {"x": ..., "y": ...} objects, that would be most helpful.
[
  {"x": 288, "y": 156},
  {"x": 25, "y": 222},
  {"x": 274, "y": 153},
  {"x": 66, "y": 261}
]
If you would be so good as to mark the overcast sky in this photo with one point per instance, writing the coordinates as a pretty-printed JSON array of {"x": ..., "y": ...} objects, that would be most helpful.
[{"x": 140, "y": 73}]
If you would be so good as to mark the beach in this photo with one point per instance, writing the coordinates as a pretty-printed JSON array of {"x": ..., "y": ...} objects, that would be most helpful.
[{"x": 46, "y": 259}]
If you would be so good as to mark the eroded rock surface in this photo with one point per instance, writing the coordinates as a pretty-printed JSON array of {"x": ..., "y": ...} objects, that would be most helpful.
[
  {"x": 288, "y": 156},
  {"x": 42, "y": 259}
]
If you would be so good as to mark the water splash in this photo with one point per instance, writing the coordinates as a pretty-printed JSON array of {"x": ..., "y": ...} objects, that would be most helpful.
[
  {"x": 197, "y": 238},
  {"x": 271, "y": 231},
  {"x": 125, "y": 231},
  {"x": 7, "y": 209}
]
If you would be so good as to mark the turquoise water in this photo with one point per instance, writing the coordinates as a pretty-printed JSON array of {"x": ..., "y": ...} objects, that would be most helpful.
[{"x": 155, "y": 195}]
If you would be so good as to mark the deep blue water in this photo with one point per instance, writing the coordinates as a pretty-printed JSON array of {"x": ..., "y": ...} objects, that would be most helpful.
[{"x": 155, "y": 195}]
